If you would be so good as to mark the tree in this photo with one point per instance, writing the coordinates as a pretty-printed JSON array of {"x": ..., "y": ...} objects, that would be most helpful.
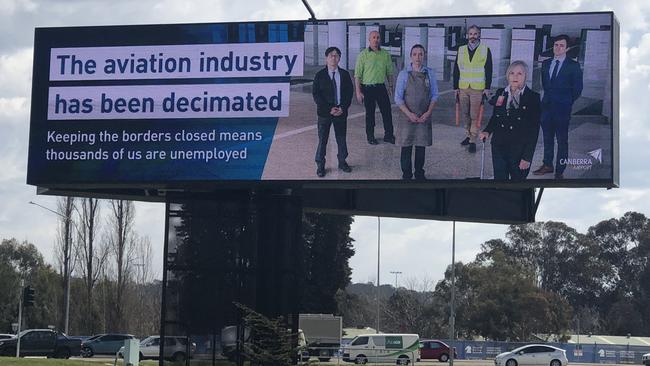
[
  {"x": 23, "y": 261},
  {"x": 120, "y": 241},
  {"x": 405, "y": 312},
  {"x": 355, "y": 309},
  {"x": 328, "y": 249},
  {"x": 510, "y": 306},
  {"x": 624, "y": 249},
  {"x": 64, "y": 245},
  {"x": 270, "y": 341},
  {"x": 92, "y": 258}
]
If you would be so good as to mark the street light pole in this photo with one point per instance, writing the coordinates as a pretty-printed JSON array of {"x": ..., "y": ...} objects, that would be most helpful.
[
  {"x": 378, "y": 256},
  {"x": 452, "y": 308},
  {"x": 68, "y": 239},
  {"x": 396, "y": 273}
]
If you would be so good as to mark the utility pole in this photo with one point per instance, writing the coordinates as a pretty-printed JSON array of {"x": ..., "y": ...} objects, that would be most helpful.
[
  {"x": 396, "y": 273},
  {"x": 68, "y": 223},
  {"x": 452, "y": 308},
  {"x": 378, "y": 256},
  {"x": 20, "y": 316}
]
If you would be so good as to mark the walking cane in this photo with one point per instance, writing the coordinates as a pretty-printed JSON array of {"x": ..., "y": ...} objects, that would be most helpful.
[
  {"x": 457, "y": 110},
  {"x": 482, "y": 158},
  {"x": 480, "y": 111}
]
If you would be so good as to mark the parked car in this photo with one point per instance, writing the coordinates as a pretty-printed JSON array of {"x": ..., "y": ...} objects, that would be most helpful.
[
  {"x": 107, "y": 344},
  {"x": 433, "y": 349},
  {"x": 401, "y": 349},
  {"x": 41, "y": 342},
  {"x": 175, "y": 348},
  {"x": 6, "y": 336},
  {"x": 532, "y": 354},
  {"x": 646, "y": 359}
]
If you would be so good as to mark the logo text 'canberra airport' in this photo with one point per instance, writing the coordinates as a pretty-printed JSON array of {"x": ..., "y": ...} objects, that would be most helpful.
[{"x": 585, "y": 163}]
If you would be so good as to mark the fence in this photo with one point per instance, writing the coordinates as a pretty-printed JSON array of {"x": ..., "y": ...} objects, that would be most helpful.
[{"x": 580, "y": 353}]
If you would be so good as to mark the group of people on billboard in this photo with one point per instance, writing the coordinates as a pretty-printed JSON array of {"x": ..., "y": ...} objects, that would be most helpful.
[{"x": 513, "y": 127}]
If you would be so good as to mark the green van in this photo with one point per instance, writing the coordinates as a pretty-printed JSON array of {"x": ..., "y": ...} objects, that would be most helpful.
[{"x": 400, "y": 349}]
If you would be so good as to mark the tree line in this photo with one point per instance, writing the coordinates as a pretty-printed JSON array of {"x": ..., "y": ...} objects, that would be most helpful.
[
  {"x": 543, "y": 280},
  {"x": 110, "y": 280}
]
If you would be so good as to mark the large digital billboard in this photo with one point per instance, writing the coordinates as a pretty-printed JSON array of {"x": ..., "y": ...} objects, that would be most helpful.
[{"x": 518, "y": 100}]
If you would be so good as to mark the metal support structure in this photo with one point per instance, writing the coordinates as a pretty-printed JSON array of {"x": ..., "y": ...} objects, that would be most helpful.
[
  {"x": 452, "y": 307},
  {"x": 20, "y": 316},
  {"x": 396, "y": 273},
  {"x": 538, "y": 200},
  {"x": 311, "y": 12},
  {"x": 67, "y": 275},
  {"x": 378, "y": 257}
]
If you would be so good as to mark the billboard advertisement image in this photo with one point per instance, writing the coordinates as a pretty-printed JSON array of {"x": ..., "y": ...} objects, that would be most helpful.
[{"x": 518, "y": 100}]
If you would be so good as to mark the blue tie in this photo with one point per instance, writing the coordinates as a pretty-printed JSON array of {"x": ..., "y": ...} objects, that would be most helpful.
[{"x": 555, "y": 68}]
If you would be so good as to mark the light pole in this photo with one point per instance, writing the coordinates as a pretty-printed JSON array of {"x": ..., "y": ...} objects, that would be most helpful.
[
  {"x": 378, "y": 256},
  {"x": 452, "y": 309},
  {"x": 396, "y": 273},
  {"x": 66, "y": 299}
]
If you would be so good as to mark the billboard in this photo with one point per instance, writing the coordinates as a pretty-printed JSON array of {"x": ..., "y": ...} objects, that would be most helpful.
[{"x": 478, "y": 101}]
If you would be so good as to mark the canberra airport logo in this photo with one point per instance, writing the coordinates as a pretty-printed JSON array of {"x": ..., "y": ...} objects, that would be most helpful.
[{"x": 586, "y": 163}]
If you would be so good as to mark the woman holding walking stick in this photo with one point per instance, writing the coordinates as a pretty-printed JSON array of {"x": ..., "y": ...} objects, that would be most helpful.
[{"x": 514, "y": 126}]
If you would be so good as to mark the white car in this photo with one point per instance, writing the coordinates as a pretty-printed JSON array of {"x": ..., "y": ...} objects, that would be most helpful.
[
  {"x": 646, "y": 359},
  {"x": 175, "y": 348},
  {"x": 533, "y": 354}
]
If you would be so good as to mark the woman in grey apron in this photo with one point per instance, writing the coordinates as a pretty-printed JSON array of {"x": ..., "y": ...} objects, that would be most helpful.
[{"x": 416, "y": 93}]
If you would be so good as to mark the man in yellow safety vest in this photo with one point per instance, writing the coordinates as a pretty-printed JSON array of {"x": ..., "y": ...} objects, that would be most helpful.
[{"x": 472, "y": 80}]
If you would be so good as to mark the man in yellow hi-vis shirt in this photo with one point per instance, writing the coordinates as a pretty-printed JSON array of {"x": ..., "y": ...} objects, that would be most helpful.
[{"x": 472, "y": 80}]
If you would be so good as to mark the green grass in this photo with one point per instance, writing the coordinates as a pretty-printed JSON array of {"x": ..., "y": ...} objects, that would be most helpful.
[{"x": 12, "y": 361}]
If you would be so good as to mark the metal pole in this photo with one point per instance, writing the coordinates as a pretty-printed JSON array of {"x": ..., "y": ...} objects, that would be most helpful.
[
  {"x": 452, "y": 315},
  {"x": 311, "y": 12},
  {"x": 396, "y": 273},
  {"x": 20, "y": 315},
  {"x": 68, "y": 254},
  {"x": 378, "y": 256}
]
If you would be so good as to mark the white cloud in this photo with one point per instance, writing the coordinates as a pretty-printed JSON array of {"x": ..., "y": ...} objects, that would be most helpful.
[
  {"x": 10, "y": 7},
  {"x": 417, "y": 247},
  {"x": 16, "y": 73},
  {"x": 12, "y": 108}
]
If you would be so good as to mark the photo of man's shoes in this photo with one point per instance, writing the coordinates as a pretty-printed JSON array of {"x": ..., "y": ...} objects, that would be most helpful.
[
  {"x": 345, "y": 167},
  {"x": 472, "y": 147},
  {"x": 320, "y": 170},
  {"x": 420, "y": 176},
  {"x": 544, "y": 169},
  {"x": 559, "y": 176},
  {"x": 465, "y": 142},
  {"x": 372, "y": 141},
  {"x": 390, "y": 139}
]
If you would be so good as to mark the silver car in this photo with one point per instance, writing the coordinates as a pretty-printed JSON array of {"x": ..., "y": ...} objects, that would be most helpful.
[
  {"x": 646, "y": 359},
  {"x": 533, "y": 354},
  {"x": 175, "y": 348}
]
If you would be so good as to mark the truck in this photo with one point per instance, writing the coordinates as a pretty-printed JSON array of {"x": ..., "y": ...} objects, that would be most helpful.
[
  {"x": 41, "y": 342},
  {"x": 322, "y": 334}
]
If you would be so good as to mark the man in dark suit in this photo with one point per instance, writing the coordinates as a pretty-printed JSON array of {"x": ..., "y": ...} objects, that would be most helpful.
[
  {"x": 332, "y": 92},
  {"x": 562, "y": 83}
]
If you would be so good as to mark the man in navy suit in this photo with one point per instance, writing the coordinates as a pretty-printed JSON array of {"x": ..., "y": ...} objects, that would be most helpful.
[
  {"x": 332, "y": 92},
  {"x": 562, "y": 83}
]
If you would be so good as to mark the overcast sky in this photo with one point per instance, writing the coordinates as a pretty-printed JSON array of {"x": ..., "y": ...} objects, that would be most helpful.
[{"x": 419, "y": 249}]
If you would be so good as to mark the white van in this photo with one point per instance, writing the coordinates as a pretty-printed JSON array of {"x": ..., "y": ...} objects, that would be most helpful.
[{"x": 400, "y": 349}]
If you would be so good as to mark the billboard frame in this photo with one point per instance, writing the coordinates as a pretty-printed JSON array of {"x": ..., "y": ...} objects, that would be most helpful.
[{"x": 144, "y": 188}]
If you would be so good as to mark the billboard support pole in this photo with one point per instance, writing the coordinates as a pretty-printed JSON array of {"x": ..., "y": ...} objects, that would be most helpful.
[
  {"x": 309, "y": 9},
  {"x": 538, "y": 200}
]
